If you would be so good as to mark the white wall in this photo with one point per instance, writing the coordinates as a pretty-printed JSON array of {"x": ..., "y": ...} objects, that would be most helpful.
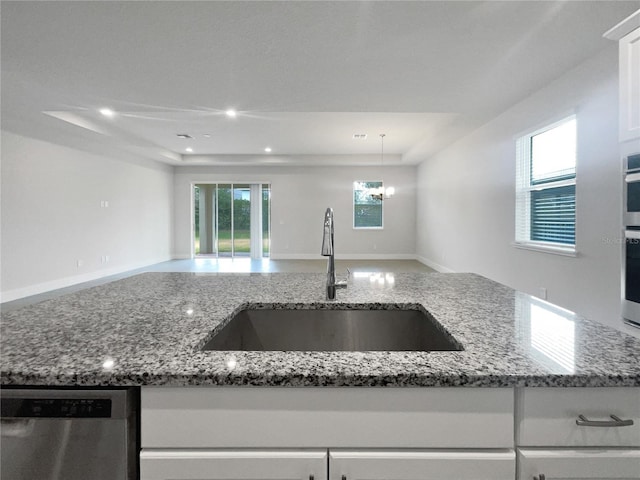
[
  {"x": 299, "y": 198},
  {"x": 466, "y": 197},
  {"x": 52, "y": 215}
]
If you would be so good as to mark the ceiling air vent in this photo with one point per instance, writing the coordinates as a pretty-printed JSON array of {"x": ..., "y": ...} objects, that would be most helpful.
[{"x": 359, "y": 136}]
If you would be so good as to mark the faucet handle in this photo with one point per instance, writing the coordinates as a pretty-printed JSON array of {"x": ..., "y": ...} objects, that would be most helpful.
[{"x": 343, "y": 283}]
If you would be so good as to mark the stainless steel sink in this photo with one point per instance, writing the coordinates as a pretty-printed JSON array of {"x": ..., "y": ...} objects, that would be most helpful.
[{"x": 325, "y": 329}]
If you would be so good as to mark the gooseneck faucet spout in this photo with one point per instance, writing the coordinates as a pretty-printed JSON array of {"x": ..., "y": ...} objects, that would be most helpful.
[{"x": 328, "y": 251}]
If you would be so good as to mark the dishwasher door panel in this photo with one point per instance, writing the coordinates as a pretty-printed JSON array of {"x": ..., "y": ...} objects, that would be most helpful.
[
  {"x": 67, "y": 435},
  {"x": 51, "y": 449}
]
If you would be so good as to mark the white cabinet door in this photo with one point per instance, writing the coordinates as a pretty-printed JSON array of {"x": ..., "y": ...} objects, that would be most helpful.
[
  {"x": 421, "y": 465},
  {"x": 583, "y": 464},
  {"x": 233, "y": 465},
  {"x": 630, "y": 86},
  {"x": 550, "y": 417}
]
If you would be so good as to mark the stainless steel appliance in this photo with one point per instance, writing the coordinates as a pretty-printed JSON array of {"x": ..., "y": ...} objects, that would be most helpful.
[
  {"x": 631, "y": 251},
  {"x": 68, "y": 434},
  {"x": 631, "y": 274},
  {"x": 632, "y": 190}
]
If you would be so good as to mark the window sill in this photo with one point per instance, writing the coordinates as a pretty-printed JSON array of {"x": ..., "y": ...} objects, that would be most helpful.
[{"x": 554, "y": 250}]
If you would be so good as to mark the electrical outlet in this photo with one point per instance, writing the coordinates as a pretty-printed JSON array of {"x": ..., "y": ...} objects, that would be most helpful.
[
  {"x": 79, "y": 263},
  {"x": 543, "y": 293},
  {"x": 106, "y": 259}
]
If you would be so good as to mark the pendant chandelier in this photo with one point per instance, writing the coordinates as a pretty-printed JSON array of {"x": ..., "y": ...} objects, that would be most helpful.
[{"x": 381, "y": 192}]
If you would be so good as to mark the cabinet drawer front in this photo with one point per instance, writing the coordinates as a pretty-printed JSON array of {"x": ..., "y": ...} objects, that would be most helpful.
[
  {"x": 230, "y": 465},
  {"x": 547, "y": 417},
  {"x": 421, "y": 465},
  {"x": 224, "y": 417},
  {"x": 579, "y": 464}
]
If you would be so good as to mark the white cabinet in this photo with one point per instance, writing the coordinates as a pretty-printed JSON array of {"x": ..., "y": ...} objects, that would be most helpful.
[
  {"x": 319, "y": 417},
  {"x": 550, "y": 417},
  {"x": 578, "y": 433},
  {"x": 216, "y": 433},
  {"x": 233, "y": 465},
  {"x": 177, "y": 464},
  {"x": 627, "y": 33},
  {"x": 369, "y": 433},
  {"x": 630, "y": 86},
  {"x": 421, "y": 465},
  {"x": 560, "y": 464}
]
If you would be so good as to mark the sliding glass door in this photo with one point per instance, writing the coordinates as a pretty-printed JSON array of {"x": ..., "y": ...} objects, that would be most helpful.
[
  {"x": 224, "y": 228},
  {"x": 231, "y": 219}
]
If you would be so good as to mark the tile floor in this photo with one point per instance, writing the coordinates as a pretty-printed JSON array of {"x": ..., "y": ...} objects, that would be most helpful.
[{"x": 235, "y": 265}]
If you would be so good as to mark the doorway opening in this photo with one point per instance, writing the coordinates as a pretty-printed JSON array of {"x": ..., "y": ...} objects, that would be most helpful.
[{"x": 231, "y": 220}]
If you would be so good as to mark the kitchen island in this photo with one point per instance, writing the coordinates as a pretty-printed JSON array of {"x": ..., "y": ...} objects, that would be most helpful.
[
  {"x": 200, "y": 418},
  {"x": 148, "y": 330}
]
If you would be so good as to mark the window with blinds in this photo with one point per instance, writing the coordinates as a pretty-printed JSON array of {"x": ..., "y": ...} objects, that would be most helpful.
[{"x": 546, "y": 187}]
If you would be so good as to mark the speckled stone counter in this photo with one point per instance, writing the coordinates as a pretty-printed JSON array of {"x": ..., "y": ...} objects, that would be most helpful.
[{"x": 148, "y": 330}]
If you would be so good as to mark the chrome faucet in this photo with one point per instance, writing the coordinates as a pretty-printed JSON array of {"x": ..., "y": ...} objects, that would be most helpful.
[{"x": 328, "y": 250}]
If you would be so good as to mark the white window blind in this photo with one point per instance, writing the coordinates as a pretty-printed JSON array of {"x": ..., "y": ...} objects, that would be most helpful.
[{"x": 546, "y": 187}]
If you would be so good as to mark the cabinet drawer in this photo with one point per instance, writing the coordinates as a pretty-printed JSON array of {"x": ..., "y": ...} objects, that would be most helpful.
[
  {"x": 579, "y": 464},
  {"x": 227, "y": 417},
  {"x": 421, "y": 465},
  {"x": 547, "y": 416},
  {"x": 233, "y": 465}
]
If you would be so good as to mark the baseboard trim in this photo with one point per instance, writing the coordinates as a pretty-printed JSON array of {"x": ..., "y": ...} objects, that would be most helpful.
[
  {"x": 344, "y": 256},
  {"x": 436, "y": 266},
  {"x": 44, "y": 287}
]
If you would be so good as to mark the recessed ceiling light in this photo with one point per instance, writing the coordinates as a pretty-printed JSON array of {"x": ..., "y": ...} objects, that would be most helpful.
[
  {"x": 183, "y": 135},
  {"x": 207, "y": 135},
  {"x": 231, "y": 113},
  {"x": 107, "y": 112},
  {"x": 267, "y": 149},
  {"x": 189, "y": 149}
]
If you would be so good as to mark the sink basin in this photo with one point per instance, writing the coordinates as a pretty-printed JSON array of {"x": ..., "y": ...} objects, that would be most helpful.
[{"x": 360, "y": 329}]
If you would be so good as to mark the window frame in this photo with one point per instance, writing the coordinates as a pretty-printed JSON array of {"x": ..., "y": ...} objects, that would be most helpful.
[
  {"x": 525, "y": 188},
  {"x": 353, "y": 205}
]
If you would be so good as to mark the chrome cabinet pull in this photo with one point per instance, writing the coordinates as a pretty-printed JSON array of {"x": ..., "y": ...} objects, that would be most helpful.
[
  {"x": 539, "y": 477},
  {"x": 583, "y": 421}
]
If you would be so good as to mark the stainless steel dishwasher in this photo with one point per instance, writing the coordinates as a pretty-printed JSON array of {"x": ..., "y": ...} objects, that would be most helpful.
[{"x": 56, "y": 434}]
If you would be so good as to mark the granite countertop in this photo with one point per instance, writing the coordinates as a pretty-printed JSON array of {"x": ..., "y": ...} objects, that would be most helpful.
[{"x": 148, "y": 330}]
